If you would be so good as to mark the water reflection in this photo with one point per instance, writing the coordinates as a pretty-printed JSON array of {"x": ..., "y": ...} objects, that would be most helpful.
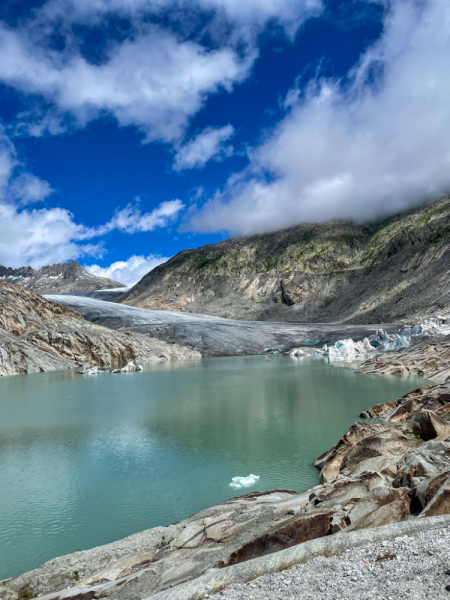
[{"x": 86, "y": 460}]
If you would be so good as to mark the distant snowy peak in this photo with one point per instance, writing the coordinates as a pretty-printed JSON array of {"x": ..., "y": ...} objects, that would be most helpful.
[{"x": 70, "y": 277}]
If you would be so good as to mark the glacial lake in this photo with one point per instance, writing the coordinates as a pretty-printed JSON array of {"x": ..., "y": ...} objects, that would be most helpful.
[{"x": 86, "y": 460}]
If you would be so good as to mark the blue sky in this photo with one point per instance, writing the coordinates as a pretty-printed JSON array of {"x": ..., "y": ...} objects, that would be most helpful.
[{"x": 133, "y": 129}]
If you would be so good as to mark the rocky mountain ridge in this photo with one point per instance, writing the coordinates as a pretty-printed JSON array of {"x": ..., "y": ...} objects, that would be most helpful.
[
  {"x": 327, "y": 272},
  {"x": 37, "y": 335},
  {"x": 70, "y": 277}
]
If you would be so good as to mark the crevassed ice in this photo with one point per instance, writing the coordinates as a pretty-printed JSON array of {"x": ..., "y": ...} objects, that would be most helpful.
[{"x": 240, "y": 482}]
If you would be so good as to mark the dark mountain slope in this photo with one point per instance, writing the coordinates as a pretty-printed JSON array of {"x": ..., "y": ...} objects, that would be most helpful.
[{"x": 335, "y": 271}]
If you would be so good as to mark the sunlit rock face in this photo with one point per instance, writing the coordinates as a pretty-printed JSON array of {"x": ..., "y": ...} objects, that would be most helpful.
[
  {"x": 70, "y": 277},
  {"x": 325, "y": 272},
  {"x": 39, "y": 335}
]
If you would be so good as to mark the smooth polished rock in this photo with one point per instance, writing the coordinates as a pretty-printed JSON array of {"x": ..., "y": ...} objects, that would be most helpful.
[{"x": 38, "y": 335}]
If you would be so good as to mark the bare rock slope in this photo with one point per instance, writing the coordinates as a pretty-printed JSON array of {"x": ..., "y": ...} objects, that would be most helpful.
[
  {"x": 39, "y": 335},
  {"x": 70, "y": 277},
  {"x": 430, "y": 359},
  {"x": 337, "y": 271}
]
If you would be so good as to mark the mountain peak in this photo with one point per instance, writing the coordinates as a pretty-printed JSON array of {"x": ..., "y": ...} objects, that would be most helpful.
[{"x": 57, "y": 278}]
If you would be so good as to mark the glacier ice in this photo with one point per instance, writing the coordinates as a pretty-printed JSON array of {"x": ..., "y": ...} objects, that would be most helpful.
[
  {"x": 297, "y": 352},
  {"x": 131, "y": 367},
  {"x": 240, "y": 482}
]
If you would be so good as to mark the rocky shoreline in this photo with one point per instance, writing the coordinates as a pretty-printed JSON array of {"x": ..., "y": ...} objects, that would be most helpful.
[
  {"x": 411, "y": 567},
  {"x": 396, "y": 470},
  {"x": 377, "y": 474},
  {"x": 38, "y": 335}
]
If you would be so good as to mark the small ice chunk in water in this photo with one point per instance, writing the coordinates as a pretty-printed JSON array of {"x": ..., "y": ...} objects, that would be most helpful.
[{"x": 240, "y": 482}]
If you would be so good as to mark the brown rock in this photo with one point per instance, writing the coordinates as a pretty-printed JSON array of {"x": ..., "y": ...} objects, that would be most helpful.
[
  {"x": 295, "y": 532},
  {"x": 330, "y": 462},
  {"x": 440, "y": 502},
  {"x": 380, "y": 496},
  {"x": 38, "y": 335},
  {"x": 429, "y": 426},
  {"x": 394, "y": 512},
  {"x": 391, "y": 442},
  {"x": 342, "y": 491}
]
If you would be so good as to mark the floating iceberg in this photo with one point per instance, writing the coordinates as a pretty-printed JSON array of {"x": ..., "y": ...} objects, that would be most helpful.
[{"x": 240, "y": 482}]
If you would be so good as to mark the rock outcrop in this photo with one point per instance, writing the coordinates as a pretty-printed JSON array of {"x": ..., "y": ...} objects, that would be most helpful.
[
  {"x": 337, "y": 271},
  {"x": 39, "y": 335},
  {"x": 57, "y": 278},
  {"x": 431, "y": 359}
]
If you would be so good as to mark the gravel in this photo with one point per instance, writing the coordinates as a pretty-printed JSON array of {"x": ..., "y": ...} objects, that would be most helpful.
[{"x": 404, "y": 568}]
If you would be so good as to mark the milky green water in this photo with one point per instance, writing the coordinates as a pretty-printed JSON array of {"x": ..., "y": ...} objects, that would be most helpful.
[{"x": 85, "y": 460}]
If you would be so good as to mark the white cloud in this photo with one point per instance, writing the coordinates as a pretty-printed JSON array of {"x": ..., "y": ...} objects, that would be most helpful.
[
  {"x": 40, "y": 237},
  {"x": 371, "y": 147},
  {"x": 128, "y": 271},
  {"x": 253, "y": 14},
  {"x": 131, "y": 220},
  {"x": 28, "y": 189},
  {"x": 208, "y": 144},
  {"x": 152, "y": 81},
  {"x": 44, "y": 236}
]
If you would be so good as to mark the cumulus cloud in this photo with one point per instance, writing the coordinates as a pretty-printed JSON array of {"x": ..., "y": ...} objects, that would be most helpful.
[
  {"x": 153, "y": 81},
  {"x": 44, "y": 236},
  {"x": 128, "y": 271},
  {"x": 41, "y": 237},
  {"x": 34, "y": 237},
  {"x": 131, "y": 220},
  {"x": 370, "y": 146},
  {"x": 28, "y": 189},
  {"x": 152, "y": 78},
  {"x": 208, "y": 144}
]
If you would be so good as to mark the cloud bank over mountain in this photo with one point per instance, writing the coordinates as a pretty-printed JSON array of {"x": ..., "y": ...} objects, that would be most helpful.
[
  {"x": 366, "y": 143},
  {"x": 366, "y": 146}
]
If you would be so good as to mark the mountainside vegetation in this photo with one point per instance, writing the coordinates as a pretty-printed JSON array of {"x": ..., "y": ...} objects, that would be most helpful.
[{"x": 393, "y": 270}]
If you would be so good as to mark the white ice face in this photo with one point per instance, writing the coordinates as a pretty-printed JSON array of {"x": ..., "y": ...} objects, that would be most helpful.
[{"x": 240, "y": 482}]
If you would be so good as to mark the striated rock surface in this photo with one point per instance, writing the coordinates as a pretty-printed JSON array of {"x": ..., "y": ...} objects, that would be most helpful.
[
  {"x": 70, "y": 277},
  {"x": 337, "y": 271},
  {"x": 431, "y": 359},
  {"x": 39, "y": 335}
]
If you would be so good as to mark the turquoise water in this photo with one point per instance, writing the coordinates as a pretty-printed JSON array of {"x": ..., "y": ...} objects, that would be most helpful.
[{"x": 87, "y": 460}]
